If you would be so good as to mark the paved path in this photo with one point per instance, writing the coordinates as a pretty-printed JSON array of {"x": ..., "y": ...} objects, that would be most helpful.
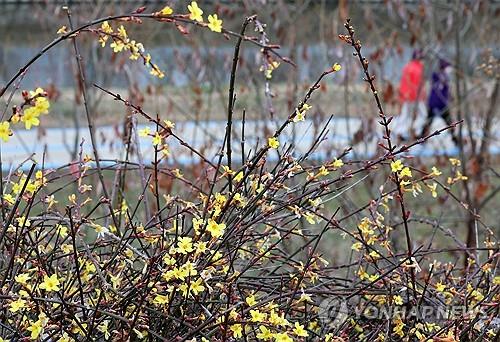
[{"x": 206, "y": 136}]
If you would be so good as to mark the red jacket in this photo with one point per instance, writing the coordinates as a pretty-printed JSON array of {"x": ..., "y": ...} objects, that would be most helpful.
[{"x": 411, "y": 83}]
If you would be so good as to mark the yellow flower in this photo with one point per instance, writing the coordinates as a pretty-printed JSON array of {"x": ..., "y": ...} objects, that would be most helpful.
[
  {"x": 197, "y": 223},
  {"x": 237, "y": 330},
  {"x": 282, "y": 337},
  {"x": 23, "y": 221},
  {"x": 277, "y": 320},
  {"x": 160, "y": 299},
  {"x": 215, "y": 229},
  {"x": 165, "y": 151},
  {"x": 273, "y": 142},
  {"x": 106, "y": 28},
  {"x": 323, "y": 171},
  {"x": 406, "y": 172},
  {"x": 50, "y": 284},
  {"x": 184, "y": 289},
  {"x": 195, "y": 13},
  {"x": 177, "y": 173},
  {"x": 328, "y": 337},
  {"x": 144, "y": 132},
  {"x": 167, "y": 10},
  {"x": 36, "y": 329},
  {"x": 185, "y": 245},
  {"x": 220, "y": 198},
  {"x": 15, "y": 118},
  {"x": 197, "y": 287},
  {"x": 436, "y": 172},
  {"x": 357, "y": 246},
  {"x": 42, "y": 105},
  {"x": 17, "y": 305},
  {"x": 102, "y": 40},
  {"x": 135, "y": 50},
  {"x": 440, "y": 287},
  {"x": 265, "y": 334},
  {"x": 313, "y": 325},
  {"x": 122, "y": 32},
  {"x": 227, "y": 170},
  {"x": 258, "y": 316},
  {"x": 268, "y": 70},
  {"x": 398, "y": 328},
  {"x": 103, "y": 327},
  {"x": 5, "y": 131},
  {"x": 239, "y": 176},
  {"x": 157, "y": 139},
  {"x": 169, "y": 124},
  {"x": 38, "y": 91},
  {"x": 9, "y": 199},
  {"x": 310, "y": 218},
  {"x": 337, "y": 163},
  {"x": 398, "y": 300},
  {"x": 459, "y": 176},
  {"x": 62, "y": 30},
  {"x": 336, "y": 67},
  {"x": 117, "y": 46},
  {"x": 375, "y": 255},
  {"x": 22, "y": 278},
  {"x": 315, "y": 202},
  {"x": 214, "y": 23},
  {"x": 396, "y": 166},
  {"x": 250, "y": 300},
  {"x": 299, "y": 330},
  {"x": 188, "y": 269},
  {"x": 304, "y": 297},
  {"x": 155, "y": 71},
  {"x": 66, "y": 248},
  {"x": 433, "y": 188},
  {"x": 300, "y": 115},
  {"x": 100, "y": 230},
  {"x": 30, "y": 117}
]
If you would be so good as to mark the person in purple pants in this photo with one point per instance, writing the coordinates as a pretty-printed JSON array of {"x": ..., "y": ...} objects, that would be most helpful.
[{"x": 439, "y": 98}]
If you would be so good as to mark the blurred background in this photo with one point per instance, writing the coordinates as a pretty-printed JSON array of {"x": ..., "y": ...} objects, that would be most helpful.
[{"x": 197, "y": 64}]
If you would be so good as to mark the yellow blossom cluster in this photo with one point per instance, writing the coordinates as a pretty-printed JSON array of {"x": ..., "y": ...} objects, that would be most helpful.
[
  {"x": 300, "y": 113},
  {"x": 121, "y": 42},
  {"x": 324, "y": 170},
  {"x": 196, "y": 14},
  {"x": 268, "y": 68},
  {"x": 36, "y": 104}
]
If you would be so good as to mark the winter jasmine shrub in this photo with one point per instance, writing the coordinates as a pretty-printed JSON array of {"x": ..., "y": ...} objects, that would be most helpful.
[{"x": 239, "y": 248}]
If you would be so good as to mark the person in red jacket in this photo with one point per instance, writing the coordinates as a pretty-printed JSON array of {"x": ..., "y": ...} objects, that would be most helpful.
[{"x": 411, "y": 98}]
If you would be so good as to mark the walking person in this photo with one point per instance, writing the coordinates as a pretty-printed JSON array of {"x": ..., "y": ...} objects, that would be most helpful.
[
  {"x": 411, "y": 98},
  {"x": 439, "y": 98}
]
